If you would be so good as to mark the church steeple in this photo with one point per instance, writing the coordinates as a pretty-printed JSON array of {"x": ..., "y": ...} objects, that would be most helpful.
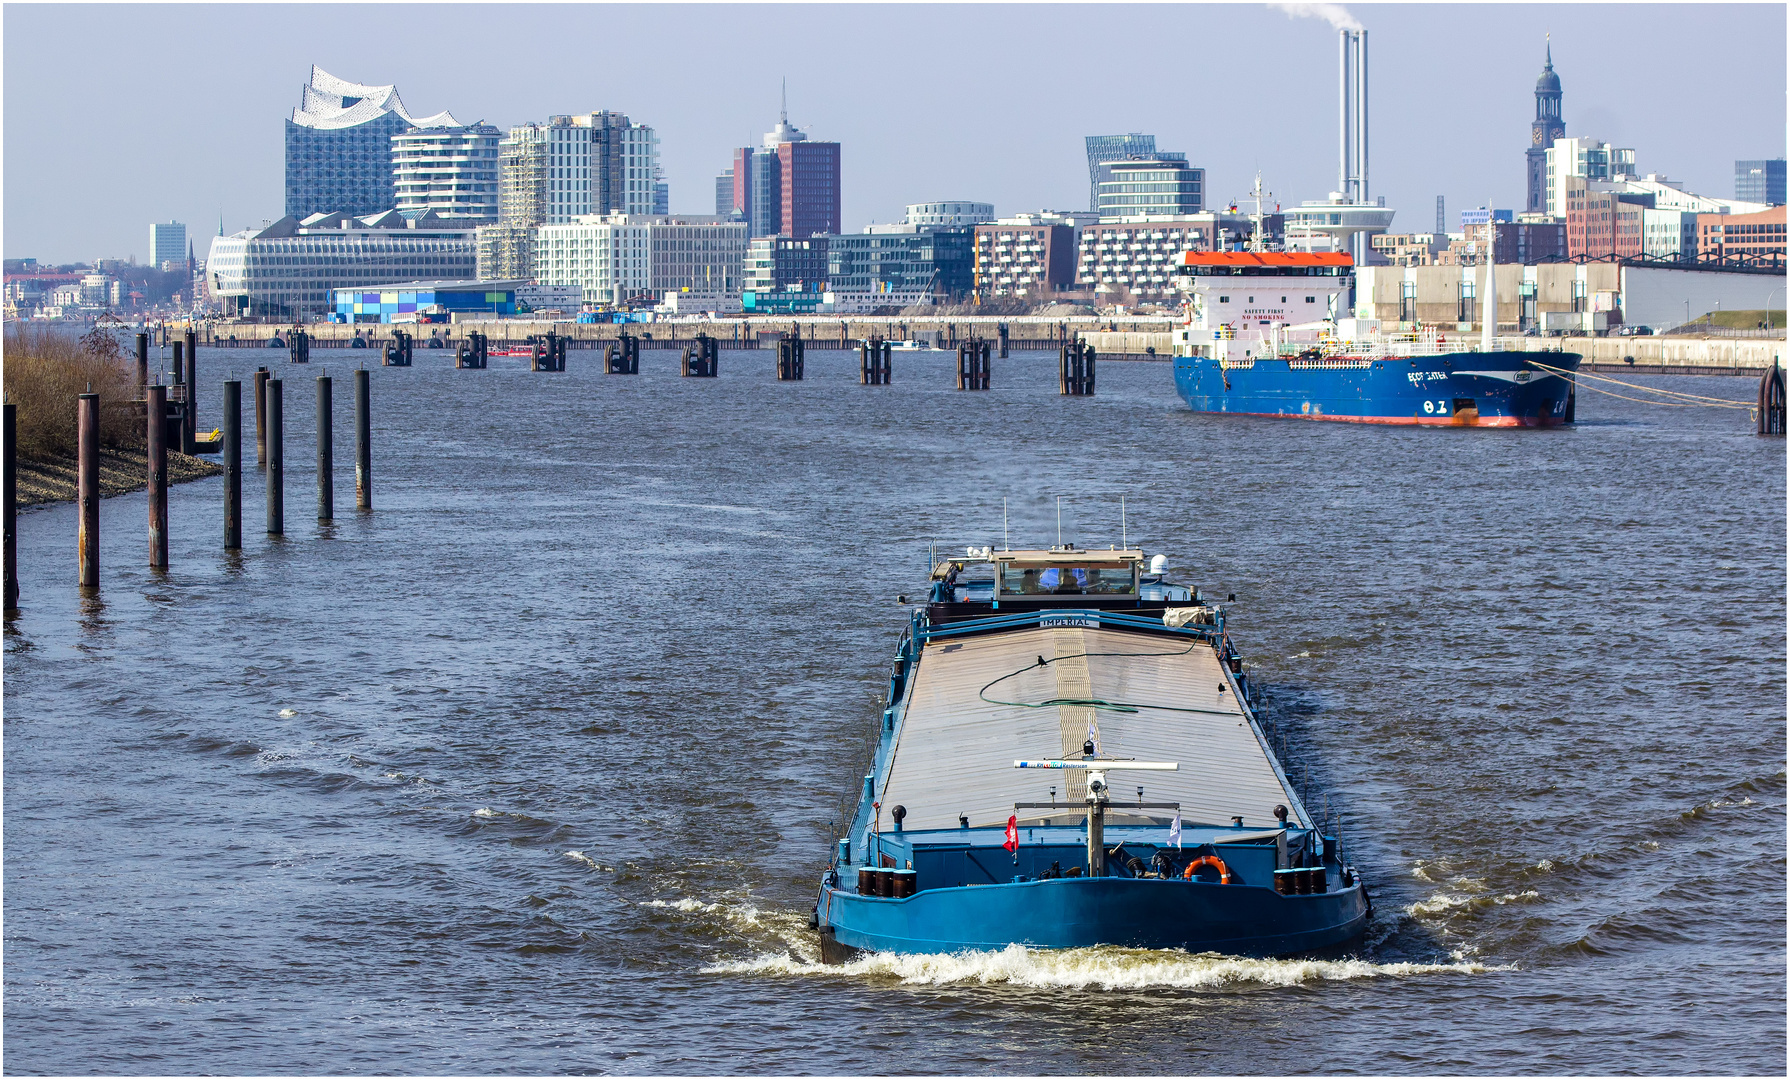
[
  {"x": 1547, "y": 91},
  {"x": 1547, "y": 128}
]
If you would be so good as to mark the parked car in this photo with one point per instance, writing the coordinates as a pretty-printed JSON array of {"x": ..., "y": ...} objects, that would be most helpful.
[{"x": 1634, "y": 331}]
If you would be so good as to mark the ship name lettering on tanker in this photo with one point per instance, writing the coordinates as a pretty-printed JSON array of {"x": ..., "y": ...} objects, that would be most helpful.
[{"x": 1418, "y": 378}]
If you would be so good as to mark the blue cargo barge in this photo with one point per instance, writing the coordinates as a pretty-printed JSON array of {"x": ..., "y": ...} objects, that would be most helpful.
[{"x": 1071, "y": 757}]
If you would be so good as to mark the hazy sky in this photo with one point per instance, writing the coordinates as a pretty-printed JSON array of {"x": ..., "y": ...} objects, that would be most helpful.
[{"x": 119, "y": 116}]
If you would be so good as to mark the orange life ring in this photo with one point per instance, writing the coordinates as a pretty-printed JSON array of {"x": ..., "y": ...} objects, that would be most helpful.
[{"x": 1224, "y": 872}]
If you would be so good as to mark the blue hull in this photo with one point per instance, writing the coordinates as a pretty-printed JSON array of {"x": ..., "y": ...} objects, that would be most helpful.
[
  {"x": 1468, "y": 389},
  {"x": 1069, "y": 913}
]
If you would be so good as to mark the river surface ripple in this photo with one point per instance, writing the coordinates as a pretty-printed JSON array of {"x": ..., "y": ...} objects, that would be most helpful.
[{"x": 532, "y": 769}]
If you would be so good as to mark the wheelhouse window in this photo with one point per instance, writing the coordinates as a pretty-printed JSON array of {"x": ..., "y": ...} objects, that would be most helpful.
[{"x": 1065, "y": 580}]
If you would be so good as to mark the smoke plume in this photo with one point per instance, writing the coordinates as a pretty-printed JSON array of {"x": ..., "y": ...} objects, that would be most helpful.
[{"x": 1335, "y": 14}]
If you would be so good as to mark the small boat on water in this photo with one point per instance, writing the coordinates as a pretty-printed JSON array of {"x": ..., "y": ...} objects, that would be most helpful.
[
  {"x": 1070, "y": 756},
  {"x": 911, "y": 345}
]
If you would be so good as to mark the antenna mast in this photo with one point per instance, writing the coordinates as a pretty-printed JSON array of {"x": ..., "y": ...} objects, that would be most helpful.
[{"x": 1255, "y": 239}]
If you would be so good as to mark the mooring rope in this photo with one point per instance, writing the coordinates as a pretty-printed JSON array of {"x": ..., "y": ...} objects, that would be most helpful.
[{"x": 1693, "y": 399}]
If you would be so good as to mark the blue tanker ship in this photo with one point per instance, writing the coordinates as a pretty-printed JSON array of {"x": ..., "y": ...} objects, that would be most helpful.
[{"x": 1263, "y": 338}]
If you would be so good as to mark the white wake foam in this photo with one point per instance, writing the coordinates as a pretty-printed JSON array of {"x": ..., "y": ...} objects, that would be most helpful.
[
  {"x": 1098, "y": 968},
  {"x": 744, "y": 914},
  {"x": 580, "y": 856}
]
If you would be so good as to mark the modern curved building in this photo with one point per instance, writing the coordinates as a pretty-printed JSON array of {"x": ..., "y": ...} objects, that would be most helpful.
[
  {"x": 290, "y": 268},
  {"x": 450, "y": 170},
  {"x": 339, "y": 146}
]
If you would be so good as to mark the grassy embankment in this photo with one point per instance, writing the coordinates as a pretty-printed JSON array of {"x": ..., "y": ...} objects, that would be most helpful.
[
  {"x": 1742, "y": 320},
  {"x": 43, "y": 372}
]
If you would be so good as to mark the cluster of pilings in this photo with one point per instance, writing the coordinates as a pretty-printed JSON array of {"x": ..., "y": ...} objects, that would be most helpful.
[
  {"x": 178, "y": 411},
  {"x": 299, "y": 344},
  {"x": 160, "y": 434},
  {"x": 875, "y": 362},
  {"x": 549, "y": 353},
  {"x": 399, "y": 352},
  {"x": 972, "y": 365},
  {"x": 1075, "y": 368},
  {"x": 789, "y": 358},
  {"x": 702, "y": 358},
  {"x": 474, "y": 353}
]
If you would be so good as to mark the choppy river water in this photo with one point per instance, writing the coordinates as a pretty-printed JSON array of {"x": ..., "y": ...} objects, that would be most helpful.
[{"x": 531, "y": 769}]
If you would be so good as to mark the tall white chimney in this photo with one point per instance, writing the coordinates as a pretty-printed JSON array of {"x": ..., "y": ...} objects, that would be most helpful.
[{"x": 1361, "y": 195}]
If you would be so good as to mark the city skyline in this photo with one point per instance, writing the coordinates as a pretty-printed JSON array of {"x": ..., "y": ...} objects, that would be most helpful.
[{"x": 941, "y": 130}]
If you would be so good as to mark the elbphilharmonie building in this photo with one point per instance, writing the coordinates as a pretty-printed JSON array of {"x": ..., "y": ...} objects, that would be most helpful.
[{"x": 339, "y": 146}]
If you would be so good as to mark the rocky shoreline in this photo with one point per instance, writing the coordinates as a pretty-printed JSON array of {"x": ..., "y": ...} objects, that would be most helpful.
[{"x": 120, "y": 472}]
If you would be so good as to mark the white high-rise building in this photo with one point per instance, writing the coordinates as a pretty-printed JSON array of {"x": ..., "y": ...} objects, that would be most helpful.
[
  {"x": 617, "y": 257},
  {"x": 600, "y": 163},
  {"x": 167, "y": 243}
]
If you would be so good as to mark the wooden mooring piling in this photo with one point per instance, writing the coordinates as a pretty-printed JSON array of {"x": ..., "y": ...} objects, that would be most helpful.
[
  {"x": 875, "y": 362},
  {"x": 474, "y": 353},
  {"x": 399, "y": 351},
  {"x": 326, "y": 450},
  {"x": 9, "y": 447},
  {"x": 1075, "y": 368},
  {"x": 156, "y": 445},
  {"x": 972, "y": 365},
  {"x": 87, "y": 488},
  {"x": 790, "y": 360},
  {"x": 276, "y": 458},
  {"x": 622, "y": 357},
  {"x": 261, "y": 377},
  {"x": 549, "y": 353},
  {"x": 702, "y": 358},
  {"x": 299, "y": 344},
  {"x": 1771, "y": 408},
  {"x": 232, "y": 465},
  {"x": 363, "y": 441}
]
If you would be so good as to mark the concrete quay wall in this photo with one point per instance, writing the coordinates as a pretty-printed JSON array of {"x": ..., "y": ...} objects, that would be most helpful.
[{"x": 1662, "y": 355}]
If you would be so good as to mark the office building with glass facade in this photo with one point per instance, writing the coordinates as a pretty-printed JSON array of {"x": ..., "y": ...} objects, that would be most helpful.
[
  {"x": 779, "y": 263},
  {"x": 1760, "y": 181},
  {"x": 902, "y": 260},
  {"x": 1151, "y": 187},
  {"x": 1103, "y": 149},
  {"x": 291, "y": 268}
]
